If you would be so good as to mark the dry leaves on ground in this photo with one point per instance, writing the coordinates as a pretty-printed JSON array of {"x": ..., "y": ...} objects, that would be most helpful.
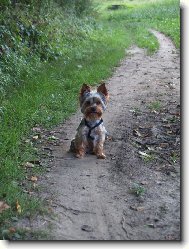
[{"x": 3, "y": 206}]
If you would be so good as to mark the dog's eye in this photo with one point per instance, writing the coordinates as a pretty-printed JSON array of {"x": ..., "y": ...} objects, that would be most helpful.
[
  {"x": 98, "y": 102},
  {"x": 87, "y": 103}
]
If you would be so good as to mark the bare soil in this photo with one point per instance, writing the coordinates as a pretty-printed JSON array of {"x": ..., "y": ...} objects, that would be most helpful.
[{"x": 134, "y": 194}]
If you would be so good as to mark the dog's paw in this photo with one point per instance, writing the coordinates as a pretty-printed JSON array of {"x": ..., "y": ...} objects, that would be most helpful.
[
  {"x": 101, "y": 156},
  {"x": 78, "y": 155}
]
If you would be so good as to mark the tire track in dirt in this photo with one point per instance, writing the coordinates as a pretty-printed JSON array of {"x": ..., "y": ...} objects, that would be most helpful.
[{"x": 90, "y": 198}]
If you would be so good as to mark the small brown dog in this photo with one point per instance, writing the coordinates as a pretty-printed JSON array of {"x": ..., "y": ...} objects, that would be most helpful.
[{"x": 91, "y": 132}]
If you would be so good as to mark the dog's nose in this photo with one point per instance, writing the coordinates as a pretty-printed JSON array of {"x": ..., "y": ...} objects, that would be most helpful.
[{"x": 93, "y": 109}]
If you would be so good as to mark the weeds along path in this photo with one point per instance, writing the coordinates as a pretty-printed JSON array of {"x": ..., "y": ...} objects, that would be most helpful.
[{"x": 128, "y": 196}]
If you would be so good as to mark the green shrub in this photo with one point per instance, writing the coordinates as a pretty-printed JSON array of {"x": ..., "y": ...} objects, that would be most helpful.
[{"x": 31, "y": 34}]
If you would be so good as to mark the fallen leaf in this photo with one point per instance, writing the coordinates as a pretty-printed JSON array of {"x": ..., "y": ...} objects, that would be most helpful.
[
  {"x": 87, "y": 228},
  {"x": 3, "y": 206},
  {"x": 170, "y": 237},
  {"x": 12, "y": 230},
  {"x": 27, "y": 141},
  {"x": 36, "y": 129},
  {"x": 53, "y": 138},
  {"x": 137, "y": 208},
  {"x": 28, "y": 192},
  {"x": 151, "y": 225},
  {"x": 35, "y": 162},
  {"x": 163, "y": 145},
  {"x": 172, "y": 86},
  {"x": 47, "y": 148},
  {"x": 167, "y": 125},
  {"x": 29, "y": 165},
  {"x": 150, "y": 148},
  {"x": 140, "y": 209},
  {"x": 109, "y": 138},
  {"x": 132, "y": 111},
  {"x": 144, "y": 183},
  {"x": 137, "y": 133},
  {"x": 146, "y": 127},
  {"x": 143, "y": 154},
  {"x": 18, "y": 207},
  {"x": 132, "y": 208},
  {"x": 35, "y": 137},
  {"x": 33, "y": 178},
  {"x": 155, "y": 112},
  {"x": 164, "y": 120},
  {"x": 169, "y": 132}
]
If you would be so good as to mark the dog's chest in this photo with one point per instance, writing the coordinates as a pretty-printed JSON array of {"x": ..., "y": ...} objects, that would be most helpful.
[
  {"x": 94, "y": 134},
  {"x": 97, "y": 132}
]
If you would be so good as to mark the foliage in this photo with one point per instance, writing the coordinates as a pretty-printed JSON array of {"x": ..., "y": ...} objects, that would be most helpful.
[
  {"x": 137, "y": 189},
  {"x": 36, "y": 31}
]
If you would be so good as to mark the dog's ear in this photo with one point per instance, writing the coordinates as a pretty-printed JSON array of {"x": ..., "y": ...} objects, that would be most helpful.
[
  {"x": 102, "y": 89},
  {"x": 84, "y": 88}
]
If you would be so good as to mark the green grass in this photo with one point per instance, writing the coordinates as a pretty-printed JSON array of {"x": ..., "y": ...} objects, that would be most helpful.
[
  {"x": 50, "y": 94},
  {"x": 137, "y": 190},
  {"x": 139, "y": 16},
  {"x": 155, "y": 106}
]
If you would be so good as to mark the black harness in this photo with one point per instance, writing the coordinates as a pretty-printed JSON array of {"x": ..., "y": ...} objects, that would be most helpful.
[{"x": 91, "y": 128}]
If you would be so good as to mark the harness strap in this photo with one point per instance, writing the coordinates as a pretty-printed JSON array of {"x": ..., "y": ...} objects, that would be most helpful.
[{"x": 91, "y": 128}]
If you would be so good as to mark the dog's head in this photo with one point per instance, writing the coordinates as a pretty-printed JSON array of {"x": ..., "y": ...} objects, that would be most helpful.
[{"x": 93, "y": 102}]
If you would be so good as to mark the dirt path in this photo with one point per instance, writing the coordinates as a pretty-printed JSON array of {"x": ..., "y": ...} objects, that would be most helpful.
[{"x": 130, "y": 195}]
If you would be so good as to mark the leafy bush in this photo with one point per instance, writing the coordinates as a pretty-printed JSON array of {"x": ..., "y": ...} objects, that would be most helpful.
[{"x": 34, "y": 31}]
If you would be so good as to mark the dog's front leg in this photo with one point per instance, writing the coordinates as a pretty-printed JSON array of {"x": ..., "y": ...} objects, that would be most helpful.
[
  {"x": 81, "y": 144},
  {"x": 98, "y": 147}
]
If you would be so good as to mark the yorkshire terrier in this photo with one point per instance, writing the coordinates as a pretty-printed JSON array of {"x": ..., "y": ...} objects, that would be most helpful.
[{"x": 91, "y": 133}]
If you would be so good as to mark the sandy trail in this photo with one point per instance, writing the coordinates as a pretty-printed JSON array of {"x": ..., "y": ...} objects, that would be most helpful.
[{"x": 91, "y": 198}]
